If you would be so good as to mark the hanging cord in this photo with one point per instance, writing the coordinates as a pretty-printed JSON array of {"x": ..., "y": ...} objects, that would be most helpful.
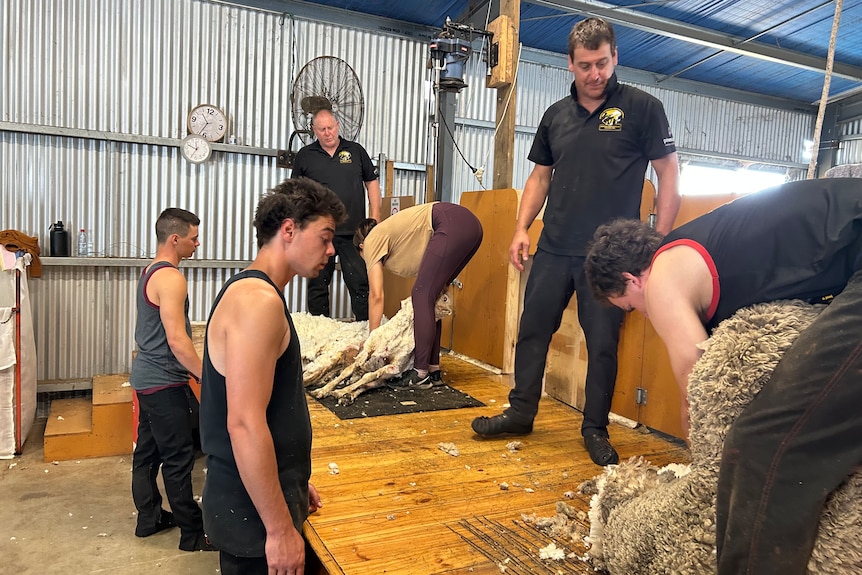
[
  {"x": 451, "y": 135},
  {"x": 481, "y": 169},
  {"x": 465, "y": 106},
  {"x": 830, "y": 60}
]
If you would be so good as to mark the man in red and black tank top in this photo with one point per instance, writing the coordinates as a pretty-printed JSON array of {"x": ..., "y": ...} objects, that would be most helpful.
[{"x": 800, "y": 439}]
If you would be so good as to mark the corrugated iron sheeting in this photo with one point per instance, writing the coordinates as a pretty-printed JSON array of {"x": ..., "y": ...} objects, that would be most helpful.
[
  {"x": 137, "y": 68},
  {"x": 851, "y": 146}
]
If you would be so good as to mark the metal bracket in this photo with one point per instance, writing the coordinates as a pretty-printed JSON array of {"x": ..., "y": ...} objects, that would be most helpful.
[{"x": 640, "y": 396}]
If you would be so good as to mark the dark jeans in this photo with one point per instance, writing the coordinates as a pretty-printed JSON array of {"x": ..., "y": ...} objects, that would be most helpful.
[
  {"x": 233, "y": 565},
  {"x": 165, "y": 439},
  {"x": 553, "y": 279},
  {"x": 457, "y": 235},
  {"x": 792, "y": 446},
  {"x": 355, "y": 278}
]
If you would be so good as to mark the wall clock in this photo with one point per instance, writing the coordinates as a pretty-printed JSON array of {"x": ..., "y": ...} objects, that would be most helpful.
[
  {"x": 196, "y": 148},
  {"x": 208, "y": 121}
]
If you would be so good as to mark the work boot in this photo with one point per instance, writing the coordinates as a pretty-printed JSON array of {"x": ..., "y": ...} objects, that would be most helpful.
[
  {"x": 503, "y": 424},
  {"x": 166, "y": 521},
  {"x": 600, "y": 449}
]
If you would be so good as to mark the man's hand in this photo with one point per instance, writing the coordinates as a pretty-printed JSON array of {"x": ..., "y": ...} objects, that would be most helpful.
[
  {"x": 285, "y": 552},
  {"x": 314, "y": 502},
  {"x": 519, "y": 251}
]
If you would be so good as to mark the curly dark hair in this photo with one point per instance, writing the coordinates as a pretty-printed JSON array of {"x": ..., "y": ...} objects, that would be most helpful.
[
  {"x": 618, "y": 247},
  {"x": 301, "y": 199},
  {"x": 591, "y": 34},
  {"x": 362, "y": 231}
]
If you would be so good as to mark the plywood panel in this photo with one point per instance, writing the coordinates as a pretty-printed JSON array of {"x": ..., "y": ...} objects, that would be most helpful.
[
  {"x": 566, "y": 370},
  {"x": 630, "y": 355},
  {"x": 481, "y": 305}
]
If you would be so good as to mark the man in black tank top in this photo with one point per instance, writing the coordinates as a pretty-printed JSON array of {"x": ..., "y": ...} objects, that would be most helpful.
[
  {"x": 800, "y": 438},
  {"x": 255, "y": 427}
]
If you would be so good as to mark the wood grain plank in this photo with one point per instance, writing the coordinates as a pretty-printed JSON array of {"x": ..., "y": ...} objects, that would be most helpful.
[{"x": 400, "y": 504}]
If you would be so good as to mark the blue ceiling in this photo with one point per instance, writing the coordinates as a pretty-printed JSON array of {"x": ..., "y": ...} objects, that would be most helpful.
[{"x": 775, "y": 48}]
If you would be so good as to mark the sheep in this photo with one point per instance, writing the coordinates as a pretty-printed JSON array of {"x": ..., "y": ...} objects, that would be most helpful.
[
  {"x": 385, "y": 354},
  {"x": 327, "y": 345},
  {"x": 646, "y": 520}
]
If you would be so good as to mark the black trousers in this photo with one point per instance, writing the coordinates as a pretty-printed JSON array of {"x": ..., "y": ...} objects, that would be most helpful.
[
  {"x": 552, "y": 282},
  {"x": 233, "y": 565},
  {"x": 355, "y": 277},
  {"x": 792, "y": 446},
  {"x": 165, "y": 439}
]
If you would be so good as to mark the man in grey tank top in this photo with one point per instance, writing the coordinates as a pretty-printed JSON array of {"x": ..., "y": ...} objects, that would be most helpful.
[{"x": 165, "y": 360}]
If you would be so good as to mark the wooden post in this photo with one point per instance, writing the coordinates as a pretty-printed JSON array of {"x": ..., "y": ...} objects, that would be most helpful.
[
  {"x": 504, "y": 143},
  {"x": 390, "y": 177}
]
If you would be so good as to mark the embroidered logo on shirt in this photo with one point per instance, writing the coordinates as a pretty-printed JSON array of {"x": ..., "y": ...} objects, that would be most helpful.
[
  {"x": 344, "y": 157},
  {"x": 669, "y": 140},
  {"x": 611, "y": 120}
]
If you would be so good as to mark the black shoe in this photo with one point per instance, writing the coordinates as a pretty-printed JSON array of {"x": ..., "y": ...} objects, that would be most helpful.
[
  {"x": 166, "y": 521},
  {"x": 502, "y": 424},
  {"x": 200, "y": 543},
  {"x": 436, "y": 377},
  {"x": 410, "y": 379},
  {"x": 601, "y": 451}
]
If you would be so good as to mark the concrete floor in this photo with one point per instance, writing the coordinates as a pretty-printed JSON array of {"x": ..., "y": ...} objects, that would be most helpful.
[{"x": 77, "y": 517}]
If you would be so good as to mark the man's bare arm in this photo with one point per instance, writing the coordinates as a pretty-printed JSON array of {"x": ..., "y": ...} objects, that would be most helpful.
[
  {"x": 673, "y": 306},
  {"x": 171, "y": 289},
  {"x": 532, "y": 199},
  {"x": 255, "y": 337},
  {"x": 373, "y": 189},
  {"x": 667, "y": 196}
]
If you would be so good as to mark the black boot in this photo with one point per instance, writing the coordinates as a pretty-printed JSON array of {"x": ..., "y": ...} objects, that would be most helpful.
[
  {"x": 503, "y": 424},
  {"x": 600, "y": 449}
]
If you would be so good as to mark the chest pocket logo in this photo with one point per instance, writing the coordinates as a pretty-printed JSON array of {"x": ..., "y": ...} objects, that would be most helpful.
[
  {"x": 611, "y": 120},
  {"x": 344, "y": 157}
]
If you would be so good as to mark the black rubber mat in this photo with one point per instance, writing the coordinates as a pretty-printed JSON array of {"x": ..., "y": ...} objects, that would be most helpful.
[{"x": 389, "y": 401}]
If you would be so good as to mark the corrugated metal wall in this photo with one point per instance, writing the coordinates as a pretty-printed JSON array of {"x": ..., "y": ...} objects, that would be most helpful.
[
  {"x": 94, "y": 101},
  {"x": 851, "y": 143}
]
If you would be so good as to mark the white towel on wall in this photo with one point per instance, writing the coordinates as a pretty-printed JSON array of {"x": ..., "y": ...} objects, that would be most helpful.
[{"x": 7, "y": 338}]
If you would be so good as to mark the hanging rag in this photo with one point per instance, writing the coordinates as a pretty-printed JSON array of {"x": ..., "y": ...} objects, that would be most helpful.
[
  {"x": 7, "y": 338},
  {"x": 14, "y": 240}
]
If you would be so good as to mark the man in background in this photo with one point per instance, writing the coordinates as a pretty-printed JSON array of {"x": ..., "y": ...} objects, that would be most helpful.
[
  {"x": 345, "y": 168},
  {"x": 165, "y": 360},
  {"x": 255, "y": 426},
  {"x": 591, "y": 152}
]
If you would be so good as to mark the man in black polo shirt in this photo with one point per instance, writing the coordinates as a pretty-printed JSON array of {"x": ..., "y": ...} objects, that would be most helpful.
[
  {"x": 591, "y": 152},
  {"x": 345, "y": 168}
]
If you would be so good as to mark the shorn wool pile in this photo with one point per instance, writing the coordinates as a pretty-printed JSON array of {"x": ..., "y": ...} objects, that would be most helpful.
[{"x": 646, "y": 520}]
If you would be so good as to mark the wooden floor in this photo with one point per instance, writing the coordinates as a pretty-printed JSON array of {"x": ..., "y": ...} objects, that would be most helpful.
[{"x": 400, "y": 504}]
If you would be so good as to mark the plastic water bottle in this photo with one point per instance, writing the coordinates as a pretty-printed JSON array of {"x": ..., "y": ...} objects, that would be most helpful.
[{"x": 83, "y": 244}]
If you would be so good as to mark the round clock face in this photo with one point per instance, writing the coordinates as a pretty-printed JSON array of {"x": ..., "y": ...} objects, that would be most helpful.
[
  {"x": 208, "y": 121},
  {"x": 195, "y": 148}
]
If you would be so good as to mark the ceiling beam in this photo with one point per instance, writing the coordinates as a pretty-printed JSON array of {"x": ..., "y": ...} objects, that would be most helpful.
[{"x": 697, "y": 35}]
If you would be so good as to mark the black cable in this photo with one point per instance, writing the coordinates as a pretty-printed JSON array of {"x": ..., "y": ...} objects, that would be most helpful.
[{"x": 451, "y": 135}]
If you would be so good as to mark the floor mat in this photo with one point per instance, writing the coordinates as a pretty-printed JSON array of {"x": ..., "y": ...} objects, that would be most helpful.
[{"x": 388, "y": 401}]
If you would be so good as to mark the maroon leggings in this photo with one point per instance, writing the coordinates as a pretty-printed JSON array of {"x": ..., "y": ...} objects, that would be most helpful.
[{"x": 457, "y": 235}]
